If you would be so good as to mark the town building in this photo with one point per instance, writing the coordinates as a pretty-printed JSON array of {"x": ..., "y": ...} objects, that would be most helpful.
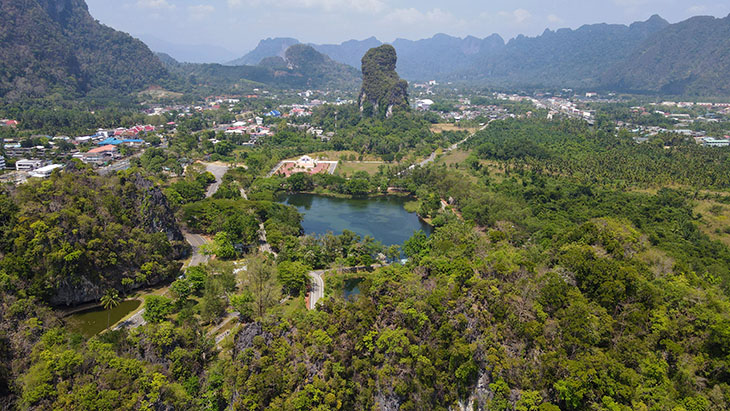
[
  {"x": 306, "y": 164},
  {"x": 2, "y": 163},
  {"x": 715, "y": 142},
  {"x": 45, "y": 172},
  {"x": 15, "y": 150},
  {"x": 28, "y": 165},
  {"x": 99, "y": 155}
]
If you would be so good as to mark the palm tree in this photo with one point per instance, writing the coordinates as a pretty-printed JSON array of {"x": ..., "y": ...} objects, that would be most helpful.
[{"x": 110, "y": 300}]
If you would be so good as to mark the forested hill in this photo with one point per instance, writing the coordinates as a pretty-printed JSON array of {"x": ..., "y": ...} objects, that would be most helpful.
[
  {"x": 68, "y": 239},
  {"x": 56, "y": 46},
  {"x": 690, "y": 57},
  {"x": 266, "y": 48},
  {"x": 301, "y": 67},
  {"x": 561, "y": 58}
]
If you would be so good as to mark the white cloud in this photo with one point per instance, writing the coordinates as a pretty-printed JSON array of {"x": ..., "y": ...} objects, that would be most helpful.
[
  {"x": 552, "y": 18},
  {"x": 154, "y": 4},
  {"x": 521, "y": 15},
  {"x": 200, "y": 11},
  {"x": 697, "y": 9},
  {"x": 413, "y": 16},
  {"x": 518, "y": 16},
  {"x": 360, "y": 6}
]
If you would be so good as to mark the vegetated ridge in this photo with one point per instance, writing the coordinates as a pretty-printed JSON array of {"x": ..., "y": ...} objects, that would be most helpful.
[
  {"x": 55, "y": 46},
  {"x": 690, "y": 57},
  {"x": 300, "y": 67}
]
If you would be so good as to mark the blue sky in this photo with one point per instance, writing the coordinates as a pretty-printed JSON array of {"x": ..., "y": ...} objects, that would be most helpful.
[{"x": 238, "y": 25}]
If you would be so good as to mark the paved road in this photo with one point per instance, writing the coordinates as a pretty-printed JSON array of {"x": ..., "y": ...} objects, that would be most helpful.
[
  {"x": 218, "y": 170},
  {"x": 317, "y": 285},
  {"x": 275, "y": 169},
  {"x": 431, "y": 158},
  {"x": 196, "y": 241}
]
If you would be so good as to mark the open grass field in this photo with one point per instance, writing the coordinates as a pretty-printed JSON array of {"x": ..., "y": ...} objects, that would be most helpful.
[
  {"x": 339, "y": 155},
  {"x": 453, "y": 157},
  {"x": 347, "y": 168},
  {"x": 440, "y": 128},
  {"x": 715, "y": 220}
]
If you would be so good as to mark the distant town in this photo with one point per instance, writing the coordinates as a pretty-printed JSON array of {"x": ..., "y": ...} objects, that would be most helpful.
[{"x": 37, "y": 156}]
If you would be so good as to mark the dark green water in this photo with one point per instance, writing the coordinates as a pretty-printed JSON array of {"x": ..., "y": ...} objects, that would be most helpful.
[
  {"x": 93, "y": 321},
  {"x": 352, "y": 288},
  {"x": 382, "y": 218}
]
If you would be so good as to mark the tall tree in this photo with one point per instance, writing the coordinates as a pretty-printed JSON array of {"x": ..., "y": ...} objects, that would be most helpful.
[
  {"x": 262, "y": 284},
  {"x": 109, "y": 300}
]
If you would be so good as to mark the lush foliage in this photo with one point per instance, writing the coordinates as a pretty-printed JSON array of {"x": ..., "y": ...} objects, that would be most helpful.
[{"x": 71, "y": 237}]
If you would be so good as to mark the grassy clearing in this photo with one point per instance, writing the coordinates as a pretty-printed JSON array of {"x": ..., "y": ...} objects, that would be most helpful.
[
  {"x": 715, "y": 220},
  {"x": 339, "y": 155},
  {"x": 350, "y": 167},
  {"x": 293, "y": 306},
  {"x": 440, "y": 128},
  {"x": 454, "y": 157}
]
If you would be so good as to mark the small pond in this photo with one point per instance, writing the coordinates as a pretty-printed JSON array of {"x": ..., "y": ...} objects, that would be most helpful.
[
  {"x": 352, "y": 288},
  {"x": 94, "y": 320},
  {"x": 382, "y": 218}
]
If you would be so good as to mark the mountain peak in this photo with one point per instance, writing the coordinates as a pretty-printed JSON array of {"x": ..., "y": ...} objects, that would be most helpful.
[
  {"x": 382, "y": 89},
  {"x": 269, "y": 47}
]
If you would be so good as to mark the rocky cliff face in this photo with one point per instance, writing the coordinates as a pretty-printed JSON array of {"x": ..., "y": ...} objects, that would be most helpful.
[
  {"x": 76, "y": 234},
  {"x": 382, "y": 89},
  {"x": 158, "y": 217}
]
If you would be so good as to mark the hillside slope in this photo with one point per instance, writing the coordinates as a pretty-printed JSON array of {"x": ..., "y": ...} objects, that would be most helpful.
[
  {"x": 300, "y": 67},
  {"x": 690, "y": 57},
  {"x": 49, "y": 46},
  {"x": 572, "y": 58},
  {"x": 271, "y": 47}
]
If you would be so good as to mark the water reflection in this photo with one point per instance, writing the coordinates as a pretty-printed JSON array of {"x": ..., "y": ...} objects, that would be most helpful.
[{"x": 382, "y": 218}]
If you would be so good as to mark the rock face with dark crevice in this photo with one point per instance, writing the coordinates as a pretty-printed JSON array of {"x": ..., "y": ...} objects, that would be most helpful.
[{"x": 383, "y": 91}]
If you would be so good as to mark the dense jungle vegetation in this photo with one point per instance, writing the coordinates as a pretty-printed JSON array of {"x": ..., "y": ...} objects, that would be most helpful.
[{"x": 569, "y": 269}]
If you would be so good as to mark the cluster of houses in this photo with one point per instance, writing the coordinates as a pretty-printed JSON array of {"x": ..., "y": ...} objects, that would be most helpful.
[
  {"x": 559, "y": 105},
  {"x": 105, "y": 143},
  {"x": 36, "y": 168},
  {"x": 254, "y": 128}
]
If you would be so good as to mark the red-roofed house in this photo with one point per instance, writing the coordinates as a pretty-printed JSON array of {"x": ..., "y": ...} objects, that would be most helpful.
[{"x": 99, "y": 155}]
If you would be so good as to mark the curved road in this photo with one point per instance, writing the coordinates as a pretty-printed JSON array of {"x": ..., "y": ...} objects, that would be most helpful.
[
  {"x": 195, "y": 240},
  {"x": 317, "y": 284},
  {"x": 218, "y": 170}
]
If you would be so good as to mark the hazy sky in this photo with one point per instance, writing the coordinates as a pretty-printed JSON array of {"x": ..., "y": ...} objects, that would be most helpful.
[{"x": 238, "y": 25}]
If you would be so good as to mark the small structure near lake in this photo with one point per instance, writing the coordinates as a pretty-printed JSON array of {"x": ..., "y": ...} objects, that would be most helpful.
[{"x": 305, "y": 164}]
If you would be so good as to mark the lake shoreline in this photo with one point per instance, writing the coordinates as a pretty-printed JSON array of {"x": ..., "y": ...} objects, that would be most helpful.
[
  {"x": 382, "y": 217},
  {"x": 341, "y": 196}
]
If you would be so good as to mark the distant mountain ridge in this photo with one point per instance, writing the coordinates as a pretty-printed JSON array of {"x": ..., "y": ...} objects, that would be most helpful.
[
  {"x": 300, "y": 67},
  {"x": 189, "y": 53},
  {"x": 572, "y": 58},
  {"x": 271, "y": 47},
  {"x": 693, "y": 55}
]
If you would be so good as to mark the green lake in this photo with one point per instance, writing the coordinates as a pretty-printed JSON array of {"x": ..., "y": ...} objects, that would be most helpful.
[
  {"x": 351, "y": 288},
  {"x": 94, "y": 320},
  {"x": 382, "y": 218}
]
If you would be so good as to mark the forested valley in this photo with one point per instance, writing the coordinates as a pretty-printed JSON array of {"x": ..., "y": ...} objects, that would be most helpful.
[{"x": 570, "y": 268}]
